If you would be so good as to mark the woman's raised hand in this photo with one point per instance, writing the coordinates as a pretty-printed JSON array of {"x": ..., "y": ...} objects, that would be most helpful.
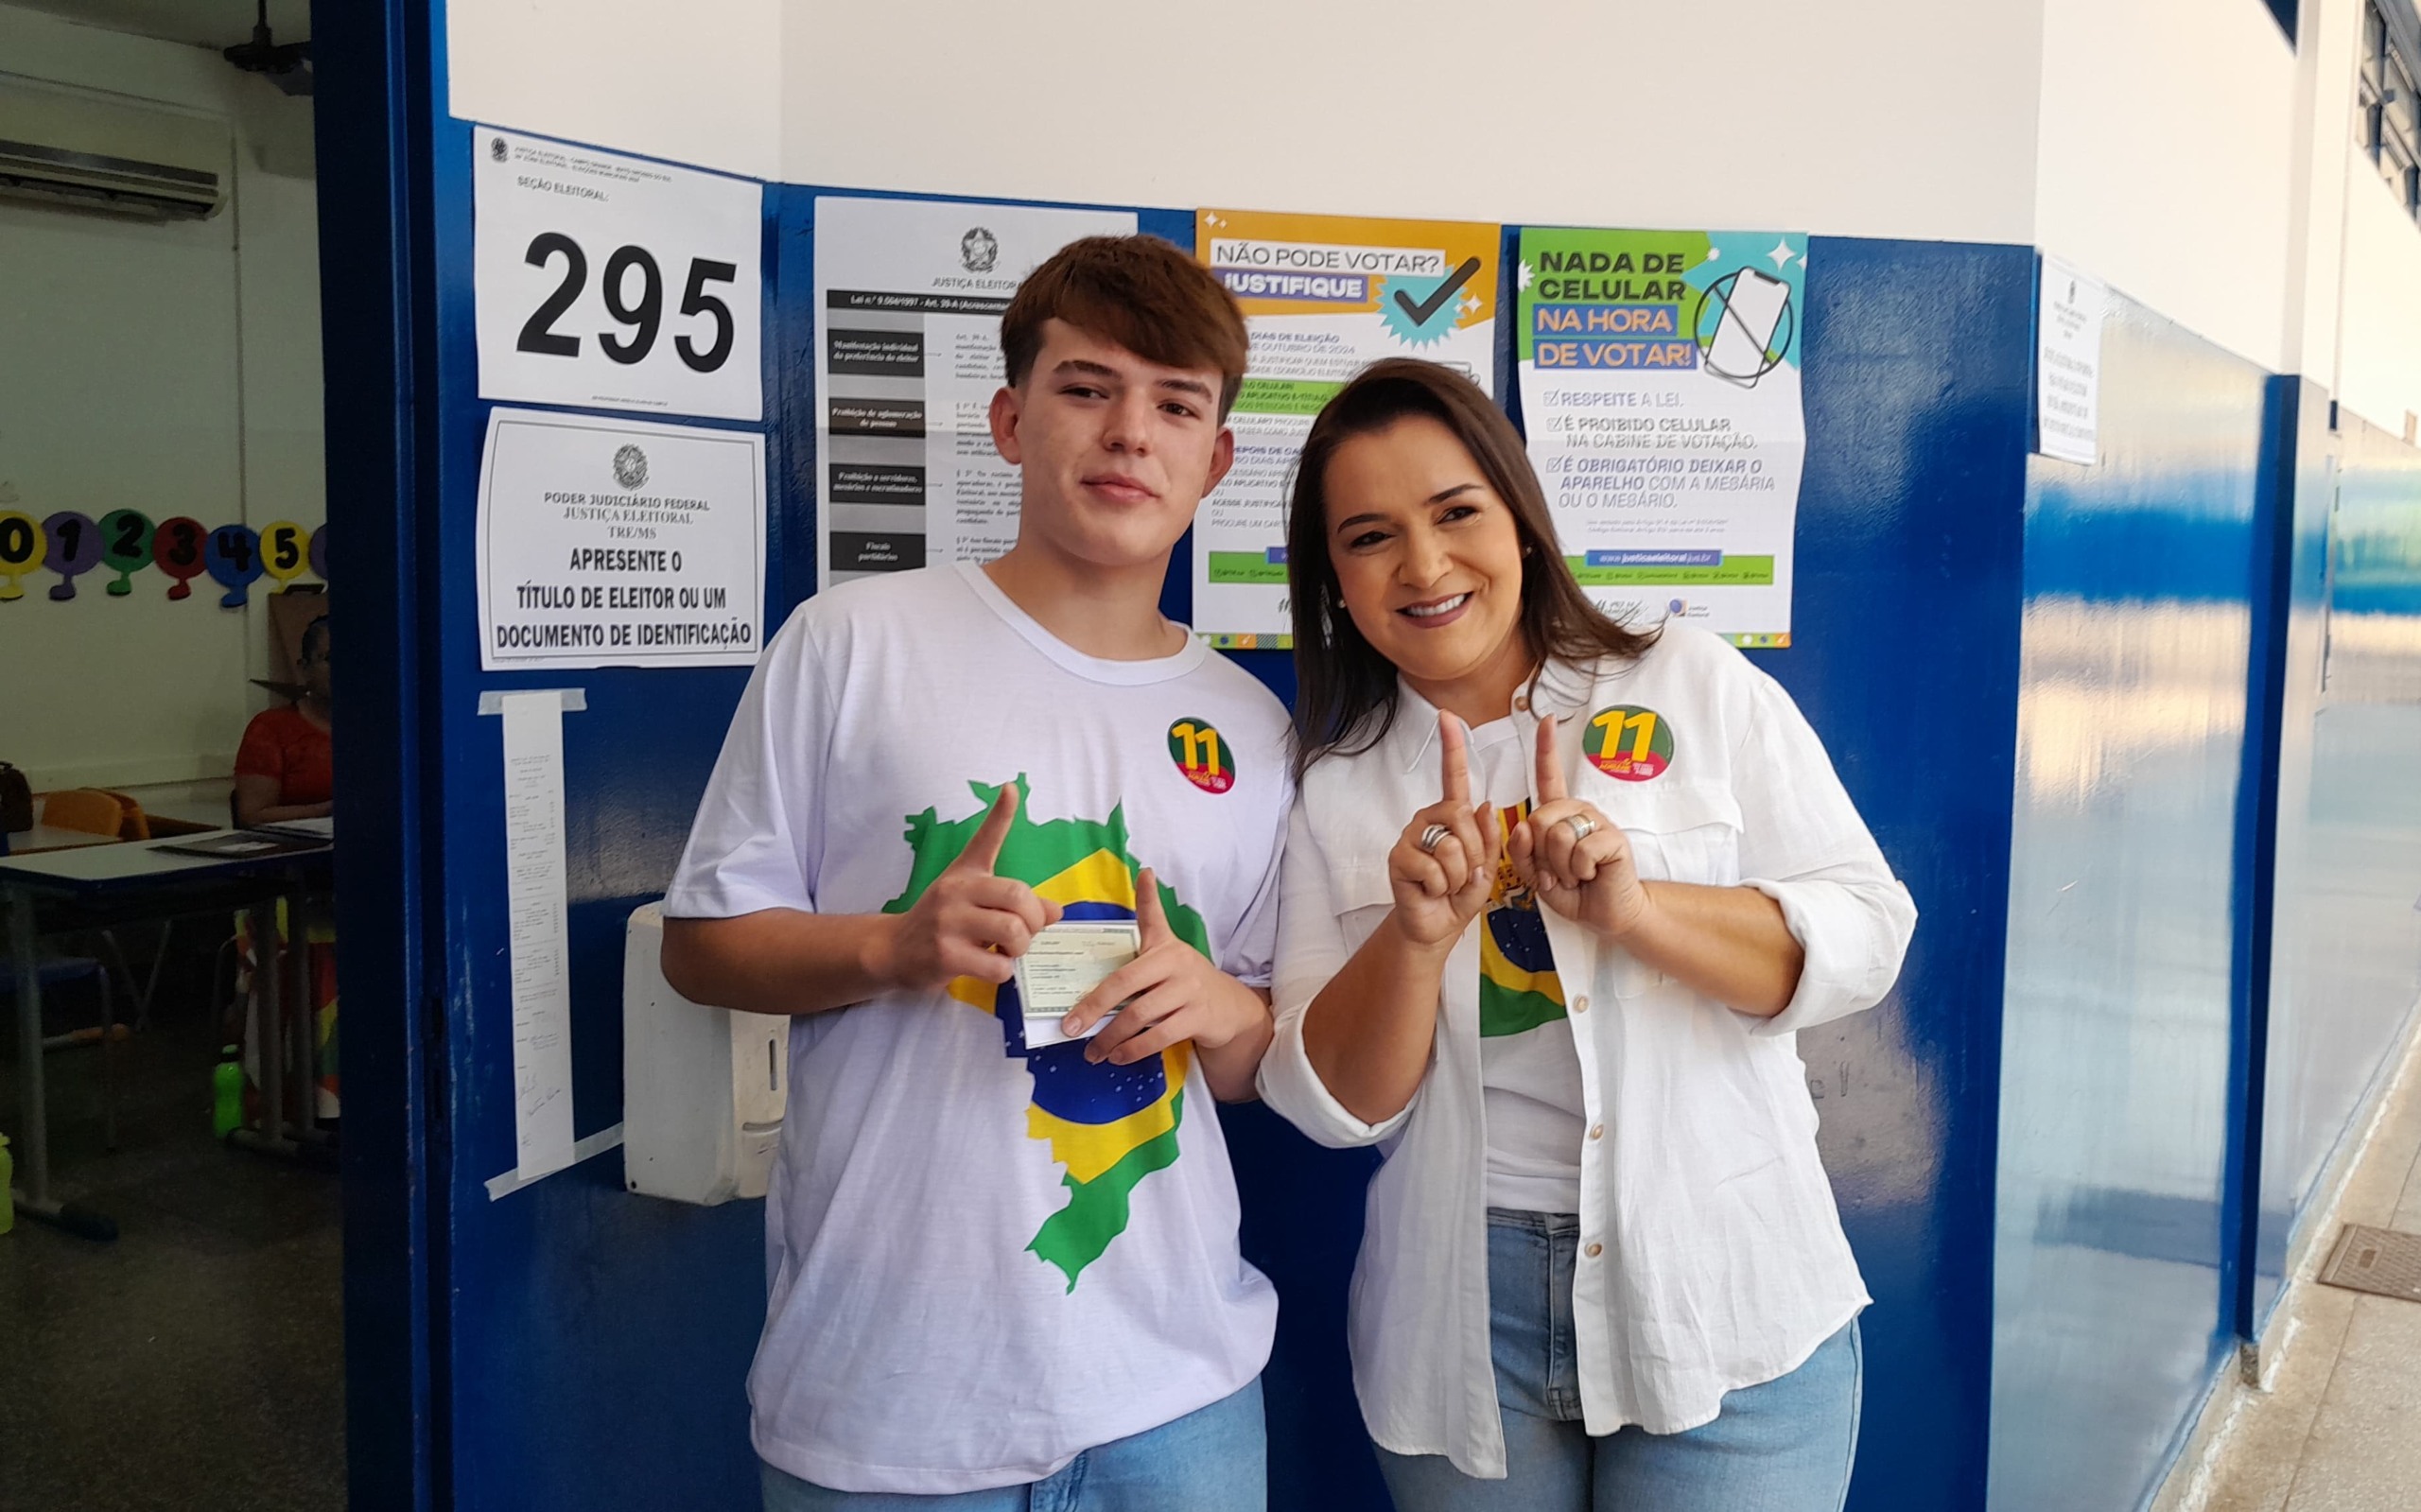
[
  {"x": 1588, "y": 877},
  {"x": 1441, "y": 886}
]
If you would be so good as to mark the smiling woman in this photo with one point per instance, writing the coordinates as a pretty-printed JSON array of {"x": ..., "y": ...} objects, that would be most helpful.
[
  {"x": 1639, "y": 821},
  {"x": 1465, "y": 537}
]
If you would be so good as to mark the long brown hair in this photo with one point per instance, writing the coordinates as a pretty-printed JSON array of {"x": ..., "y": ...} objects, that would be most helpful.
[{"x": 1345, "y": 698}]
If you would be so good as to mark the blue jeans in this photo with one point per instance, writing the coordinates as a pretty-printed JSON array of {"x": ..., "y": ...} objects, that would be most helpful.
[
  {"x": 1784, "y": 1445},
  {"x": 1212, "y": 1460}
]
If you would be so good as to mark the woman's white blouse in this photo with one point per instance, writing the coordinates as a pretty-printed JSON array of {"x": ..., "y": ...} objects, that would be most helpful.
[{"x": 1711, "y": 1254}]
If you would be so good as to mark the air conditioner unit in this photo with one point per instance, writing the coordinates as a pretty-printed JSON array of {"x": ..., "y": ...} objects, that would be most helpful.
[{"x": 87, "y": 152}]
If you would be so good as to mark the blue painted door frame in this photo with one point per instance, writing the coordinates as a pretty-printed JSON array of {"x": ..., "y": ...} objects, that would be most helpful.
[{"x": 371, "y": 63}]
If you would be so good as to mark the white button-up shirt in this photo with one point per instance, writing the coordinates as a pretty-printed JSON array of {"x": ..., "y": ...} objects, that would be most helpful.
[{"x": 1712, "y": 1255}]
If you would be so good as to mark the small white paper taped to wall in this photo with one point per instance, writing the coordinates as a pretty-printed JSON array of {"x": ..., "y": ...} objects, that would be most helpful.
[{"x": 540, "y": 948}]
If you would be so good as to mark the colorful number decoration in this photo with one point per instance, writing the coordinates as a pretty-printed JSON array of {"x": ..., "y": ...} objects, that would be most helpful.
[
  {"x": 126, "y": 547},
  {"x": 232, "y": 555},
  {"x": 320, "y": 553},
  {"x": 21, "y": 545},
  {"x": 285, "y": 551},
  {"x": 75, "y": 546},
  {"x": 176, "y": 549}
]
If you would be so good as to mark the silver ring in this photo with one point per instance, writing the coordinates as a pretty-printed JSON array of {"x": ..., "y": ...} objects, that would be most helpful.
[
  {"x": 1431, "y": 838},
  {"x": 1582, "y": 826}
]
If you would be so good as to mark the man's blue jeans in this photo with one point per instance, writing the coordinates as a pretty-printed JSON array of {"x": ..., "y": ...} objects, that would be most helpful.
[
  {"x": 1784, "y": 1445},
  {"x": 1213, "y": 1460}
]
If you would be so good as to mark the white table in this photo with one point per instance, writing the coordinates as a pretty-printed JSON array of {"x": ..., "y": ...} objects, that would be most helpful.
[{"x": 138, "y": 880}]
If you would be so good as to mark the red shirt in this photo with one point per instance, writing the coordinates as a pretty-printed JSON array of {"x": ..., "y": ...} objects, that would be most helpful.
[{"x": 281, "y": 743}]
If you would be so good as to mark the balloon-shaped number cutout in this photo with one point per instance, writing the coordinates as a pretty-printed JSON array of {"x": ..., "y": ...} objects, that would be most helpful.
[
  {"x": 21, "y": 545},
  {"x": 283, "y": 551},
  {"x": 320, "y": 553},
  {"x": 75, "y": 546},
  {"x": 176, "y": 549},
  {"x": 126, "y": 547},
  {"x": 233, "y": 554}
]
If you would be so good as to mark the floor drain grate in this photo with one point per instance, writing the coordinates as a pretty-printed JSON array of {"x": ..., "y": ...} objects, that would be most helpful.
[{"x": 2381, "y": 1261}]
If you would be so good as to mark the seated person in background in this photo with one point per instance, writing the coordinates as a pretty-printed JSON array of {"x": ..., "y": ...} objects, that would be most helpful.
[
  {"x": 284, "y": 772},
  {"x": 283, "y": 769}
]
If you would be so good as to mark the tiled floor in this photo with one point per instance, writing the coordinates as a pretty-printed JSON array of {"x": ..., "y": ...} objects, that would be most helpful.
[
  {"x": 2340, "y": 1431},
  {"x": 197, "y": 1362}
]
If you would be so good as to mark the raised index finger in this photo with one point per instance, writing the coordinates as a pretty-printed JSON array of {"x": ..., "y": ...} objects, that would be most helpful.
[
  {"x": 1151, "y": 919},
  {"x": 983, "y": 851},
  {"x": 1550, "y": 772},
  {"x": 1456, "y": 756}
]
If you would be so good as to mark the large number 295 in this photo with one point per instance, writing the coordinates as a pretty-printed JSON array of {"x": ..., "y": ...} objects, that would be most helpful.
[{"x": 645, "y": 318}]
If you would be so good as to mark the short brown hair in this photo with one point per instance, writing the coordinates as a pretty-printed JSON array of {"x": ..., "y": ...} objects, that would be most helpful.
[
  {"x": 1139, "y": 292},
  {"x": 1345, "y": 697}
]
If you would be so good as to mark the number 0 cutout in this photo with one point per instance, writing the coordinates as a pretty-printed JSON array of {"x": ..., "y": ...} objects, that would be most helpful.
[{"x": 22, "y": 549}]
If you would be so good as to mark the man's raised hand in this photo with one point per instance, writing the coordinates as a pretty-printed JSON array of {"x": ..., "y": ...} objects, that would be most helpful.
[{"x": 968, "y": 922}]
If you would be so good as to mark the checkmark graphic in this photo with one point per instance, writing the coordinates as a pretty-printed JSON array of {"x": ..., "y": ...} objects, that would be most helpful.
[{"x": 1437, "y": 297}]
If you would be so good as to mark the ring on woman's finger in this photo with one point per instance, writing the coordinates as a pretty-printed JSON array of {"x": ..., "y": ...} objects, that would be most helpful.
[
  {"x": 1582, "y": 826},
  {"x": 1431, "y": 838}
]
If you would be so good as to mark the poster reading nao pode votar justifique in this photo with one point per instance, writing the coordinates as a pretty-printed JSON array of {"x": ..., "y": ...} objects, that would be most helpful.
[
  {"x": 1323, "y": 297},
  {"x": 1660, "y": 389}
]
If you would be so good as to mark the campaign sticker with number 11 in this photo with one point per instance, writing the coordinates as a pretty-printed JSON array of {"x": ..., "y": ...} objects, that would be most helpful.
[{"x": 1627, "y": 743}]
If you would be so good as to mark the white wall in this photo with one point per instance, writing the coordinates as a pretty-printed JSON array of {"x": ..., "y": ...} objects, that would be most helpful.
[
  {"x": 2379, "y": 347},
  {"x": 697, "y": 82},
  {"x": 171, "y": 368},
  {"x": 2166, "y": 158},
  {"x": 1771, "y": 113},
  {"x": 1903, "y": 119}
]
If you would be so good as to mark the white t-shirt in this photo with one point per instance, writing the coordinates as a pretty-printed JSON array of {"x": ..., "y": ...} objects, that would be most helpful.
[
  {"x": 1529, "y": 1070},
  {"x": 981, "y": 1262}
]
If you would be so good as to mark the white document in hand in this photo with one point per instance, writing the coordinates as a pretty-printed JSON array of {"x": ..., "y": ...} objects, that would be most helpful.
[{"x": 1066, "y": 960}]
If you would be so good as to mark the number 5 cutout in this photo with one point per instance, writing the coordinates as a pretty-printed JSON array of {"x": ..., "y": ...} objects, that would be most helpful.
[{"x": 285, "y": 551}]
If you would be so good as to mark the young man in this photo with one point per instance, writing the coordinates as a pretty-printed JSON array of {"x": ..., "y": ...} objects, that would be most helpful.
[{"x": 993, "y": 1266}]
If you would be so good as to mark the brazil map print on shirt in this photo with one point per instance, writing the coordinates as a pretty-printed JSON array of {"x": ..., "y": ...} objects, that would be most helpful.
[
  {"x": 1518, "y": 988},
  {"x": 1109, "y": 1126}
]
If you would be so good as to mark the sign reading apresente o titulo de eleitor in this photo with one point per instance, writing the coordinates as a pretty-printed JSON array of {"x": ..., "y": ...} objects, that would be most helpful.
[{"x": 605, "y": 543}]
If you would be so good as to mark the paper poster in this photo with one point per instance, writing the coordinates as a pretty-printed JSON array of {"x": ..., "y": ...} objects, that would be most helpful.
[
  {"x": 1324, "y": 296},
  {"x": 536, "y": 922},
  {"x": 909, "y": 295},
  {"x": 613, "y": 282},
  {"x": 2067, "y": 366},
  {"x": 614, "y": 543},
  {"x": 1659, "y": 387}
]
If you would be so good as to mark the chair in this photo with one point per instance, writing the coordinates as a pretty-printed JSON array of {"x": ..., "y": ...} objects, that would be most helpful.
[
  {"x": 104, "y": 811},
  {"x": 93, "y": 811},
  {"x": 59, "y": 971}
]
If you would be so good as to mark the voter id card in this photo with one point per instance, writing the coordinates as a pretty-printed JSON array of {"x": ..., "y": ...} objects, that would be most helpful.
[{"x": 1064, "y": 962}]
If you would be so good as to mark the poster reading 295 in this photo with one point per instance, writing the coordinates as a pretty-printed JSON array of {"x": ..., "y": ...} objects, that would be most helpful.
[
  {"x": 1323, "y": 297},
  {"x": 613, "y": 282},
  {"x": 1660, "y": 386}
]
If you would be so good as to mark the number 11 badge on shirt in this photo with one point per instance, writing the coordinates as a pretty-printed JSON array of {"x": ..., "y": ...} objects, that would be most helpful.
[{"x": 615, "y": 282}]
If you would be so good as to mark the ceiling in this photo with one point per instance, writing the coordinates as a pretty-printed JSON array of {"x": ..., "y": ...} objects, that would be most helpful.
[{"x": 212, "y": 24}]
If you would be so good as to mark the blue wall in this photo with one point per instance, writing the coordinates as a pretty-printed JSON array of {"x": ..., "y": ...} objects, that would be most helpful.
[
  {"x": 2347, "y": 948},
  {"x": 2112, "y": 1264},
  {"x": 2032, "y": 679}
]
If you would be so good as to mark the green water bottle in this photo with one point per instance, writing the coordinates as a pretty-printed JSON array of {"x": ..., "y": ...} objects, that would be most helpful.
[
  {"x": 227, "y": 1089},
  {"x": 7, "y": 1198}
]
